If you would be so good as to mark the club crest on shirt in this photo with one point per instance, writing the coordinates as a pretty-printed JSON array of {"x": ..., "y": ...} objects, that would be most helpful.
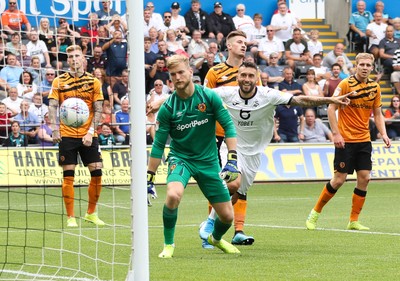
[
  {"x": 202, "y": 107},
  {"x": 342, "y": 165}
]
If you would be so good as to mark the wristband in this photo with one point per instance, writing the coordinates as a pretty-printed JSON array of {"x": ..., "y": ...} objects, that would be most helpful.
[
  {"x": 91, "y": 130},
  {"x": 151, "y": 176},
  {"x": 232, "y": 155}
]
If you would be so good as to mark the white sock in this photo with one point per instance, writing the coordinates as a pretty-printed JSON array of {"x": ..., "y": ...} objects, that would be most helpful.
[{"x": 213, "y": 214}]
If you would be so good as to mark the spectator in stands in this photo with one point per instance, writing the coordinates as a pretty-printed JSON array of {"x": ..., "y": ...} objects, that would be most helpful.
[
  {"x": 106, "y": 115},
  {"x": 86, "y": 45},
  {"x": 396, "y": 25},
  {"x": 149, "y": 60},
  {"x": 11, "y": 72},
  {"x": 283, "y": 23},
  {"x": 321, "y": 72},
  {"x": 45, "y": 132},
  {"x": 268, "y": 45},
  {"x": 71, "y": 32},
  {"x": 45, "y": 86},
  {"x": 246, "y": 24},
  {"x": 387, "y": 48},
  {"x": 105, "y": 13},
  {"x": 219, "y": 57},
  {"x": 108, "y": 95},
  {"x": 274, "y": 71},
  {"x": 106, "y": 136},
  {"x": 395, "y": 76},
  {"x": 163, "y": 51},
  {"x": 375, "y": 32},
  {"x": 333, "y": 81},
  {"x": 38, "y": 48},
  {"x": 3, "y": 53},
  {"x": 117, "y": 24},
  {"x": 167, "y": 22},
  {"x": 264, "y": 79},
  {"x": 311, "y": 87},
  {"x": 16, "y": 139},
  {"x": 121, "y": 117},
  {"x": 176, "y": 42},
  {"x": 5, "y": 120},
  {"x": 177, "y": 21},
  {"x": 63, "y": 41},
  {"x": 197, "y": 19},
  {"x": 14, "y": 46},
  {"x": 26, "y": 87},
  {"x": 24, "y": 59},
  {"x": 149, "y": 23},
  {"x": 29, "y": 123},
  {"x": 97, "y": 60},
  {"x": 296, "y": 51},
  {"x": 258, "y": 32},
  {"x": 330, "y": 57},
  {"x": 159, "y": 71},
  {"x": 220, "y": 23},
  {"x": 204, "y": 65},
  {"x": 288, "y": 84},
  {"x": 156, "y": 17},
  {"x": 379, "y": 7},
  {"x": 92, "y": 28},
  {"x": 392, "y": 118},
  {"x": 314, "y": 45},
  {"x": 120, "y": 89},
  {"x": 155, "y": 95},
  {"x": 13, "y": 102},
  {"x": 14, "y": 20},
  {"x": 154, "y": 40},
  {"x": 117, "y": 52},
  {"x": 36, "y": 70},
  {"x": 345, "y": 72},
  {"x": 287, "y": 118},
  {"x": 38, "y": 108},
  {"x": 358, "y": 25},
  {"x": 314, "y": 130},
  {"x": 45, "y": 32},
  {"x": 103, "y": 37},
  {"x": 197, "y": 49}
]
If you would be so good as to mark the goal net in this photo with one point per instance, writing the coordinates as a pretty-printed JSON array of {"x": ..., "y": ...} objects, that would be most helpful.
[{"x": 35, "y": 242}]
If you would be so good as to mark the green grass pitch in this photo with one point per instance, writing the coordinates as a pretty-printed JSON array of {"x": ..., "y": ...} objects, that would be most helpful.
[{"x": 283, "y": 250}]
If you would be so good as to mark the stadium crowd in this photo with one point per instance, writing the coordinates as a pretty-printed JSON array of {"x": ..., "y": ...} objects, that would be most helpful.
[{"x": 290, "y": 59}]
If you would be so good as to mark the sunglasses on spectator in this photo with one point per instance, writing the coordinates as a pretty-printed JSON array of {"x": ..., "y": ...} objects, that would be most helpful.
[
  {"x": 167, "y": 17},
  {"x": 50, "y": 74},
  {"x": 12, "y": 3},
  {"x": 158, "y": 84},
  {"x": 270, "y": 30},
  {"x": 240, "y": 10}
]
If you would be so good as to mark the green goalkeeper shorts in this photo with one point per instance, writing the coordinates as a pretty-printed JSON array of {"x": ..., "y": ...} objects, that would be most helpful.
[{"x": 206, "y": 175}]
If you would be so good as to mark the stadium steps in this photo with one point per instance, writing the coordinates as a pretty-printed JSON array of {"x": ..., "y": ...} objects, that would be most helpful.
[{"x": 330, "y": 38}]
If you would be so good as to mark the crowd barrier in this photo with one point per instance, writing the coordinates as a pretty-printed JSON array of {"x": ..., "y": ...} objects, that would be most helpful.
[{"x": 35, "y": 166}]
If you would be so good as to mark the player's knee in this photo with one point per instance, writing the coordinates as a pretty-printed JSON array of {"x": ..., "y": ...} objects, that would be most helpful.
[{"x": 96, "y": 173}]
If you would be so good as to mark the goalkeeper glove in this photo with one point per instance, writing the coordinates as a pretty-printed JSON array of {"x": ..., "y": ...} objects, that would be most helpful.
[
  {"x": 230, "y": 172},
  {"x": 151, "y": 188}
]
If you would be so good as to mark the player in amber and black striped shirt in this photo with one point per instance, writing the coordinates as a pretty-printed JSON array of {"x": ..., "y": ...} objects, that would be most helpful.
[
  {"x": 82, "y": 140},
  {"x": 352, "y": 140}
]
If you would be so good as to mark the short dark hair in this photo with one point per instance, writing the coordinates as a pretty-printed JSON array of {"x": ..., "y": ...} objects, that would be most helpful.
[
  {"x": 336, "y": 64},
  {"x": 249, "y": 64}
]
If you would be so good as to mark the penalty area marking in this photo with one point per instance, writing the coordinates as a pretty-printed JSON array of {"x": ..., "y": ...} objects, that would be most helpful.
[{"x": 16, "y": 272}]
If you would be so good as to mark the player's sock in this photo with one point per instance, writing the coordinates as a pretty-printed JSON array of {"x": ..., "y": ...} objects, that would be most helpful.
[
  {"x": 213, "y": 214},
  {"x": 68, "y": 191},
  {"x": 220, "y": 229},
  {"x": 94, "y": 190},
  {"x": 327, "y": 193},
  {"x": 239, "y": 210},
  {"x": 169, "y": 218},
  {"x": 358, "y": 202}
]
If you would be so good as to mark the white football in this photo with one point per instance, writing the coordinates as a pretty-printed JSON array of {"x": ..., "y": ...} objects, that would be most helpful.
[{"x": 74, "y": 112}]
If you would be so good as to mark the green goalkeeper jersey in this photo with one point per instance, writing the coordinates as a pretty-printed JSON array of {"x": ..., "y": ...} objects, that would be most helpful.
[{"x": 191, "y": 125}]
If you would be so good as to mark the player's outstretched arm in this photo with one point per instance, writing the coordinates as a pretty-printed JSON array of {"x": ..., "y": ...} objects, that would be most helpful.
[{"x": 310, "y": 101}]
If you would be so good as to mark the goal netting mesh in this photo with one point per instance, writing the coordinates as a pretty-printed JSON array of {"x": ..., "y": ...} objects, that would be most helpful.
[{"x": 35, "y": 243}]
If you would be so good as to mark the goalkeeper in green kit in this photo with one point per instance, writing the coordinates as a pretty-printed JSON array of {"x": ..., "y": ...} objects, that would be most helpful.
[{"x": 189, "y": 116}]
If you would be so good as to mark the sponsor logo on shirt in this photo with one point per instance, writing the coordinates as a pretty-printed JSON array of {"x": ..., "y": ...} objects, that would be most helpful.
[{"x": 192, "y": 124}]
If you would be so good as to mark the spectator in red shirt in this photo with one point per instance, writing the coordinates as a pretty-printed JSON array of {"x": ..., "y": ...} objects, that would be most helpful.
[{"x": 14, "y": 20}]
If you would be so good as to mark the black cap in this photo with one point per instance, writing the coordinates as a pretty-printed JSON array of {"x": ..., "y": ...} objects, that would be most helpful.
[
  {"x": 175, "y": 5},
  {"x": 217, "y": 4}
]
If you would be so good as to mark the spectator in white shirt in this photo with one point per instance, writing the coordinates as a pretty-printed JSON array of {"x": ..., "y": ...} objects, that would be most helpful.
[
  {"x": 314, "y": 45},
  {"x": 375, "y": 32},
  {"x": 246, "y": 24},
  {"x": 283, "y": 23},
  {"x": 268, "y": 45},
  {"x": 178, "y": 21}
]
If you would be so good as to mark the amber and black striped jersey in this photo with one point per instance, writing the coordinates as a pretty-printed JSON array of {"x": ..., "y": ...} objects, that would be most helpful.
[
  {"x": 353, "y": 120},
  {"x": 85, "y": 87}
]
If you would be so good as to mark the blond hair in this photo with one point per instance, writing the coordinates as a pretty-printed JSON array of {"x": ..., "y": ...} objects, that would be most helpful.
[
  {"x": 174, "y": 60},
  {"x": 365, "y": 56},
  {"x": 74, "y": 48}
]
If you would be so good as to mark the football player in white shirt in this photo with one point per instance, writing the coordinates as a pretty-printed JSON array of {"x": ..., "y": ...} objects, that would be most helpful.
[{"x": 252, "y": 110}]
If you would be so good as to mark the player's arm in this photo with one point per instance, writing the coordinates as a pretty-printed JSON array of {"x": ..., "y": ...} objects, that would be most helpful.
[
  {"x": 311, "y": 101},
  {"x": 380, "y": 125},
  {"x": 98, "y": 109},
  {"x": 53, "y": 109}
]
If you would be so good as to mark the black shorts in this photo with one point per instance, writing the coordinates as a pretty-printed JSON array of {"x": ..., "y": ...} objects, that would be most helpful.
[
  {"x": 354, "y": 156},
  {"x": 69, "y": 149}
]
